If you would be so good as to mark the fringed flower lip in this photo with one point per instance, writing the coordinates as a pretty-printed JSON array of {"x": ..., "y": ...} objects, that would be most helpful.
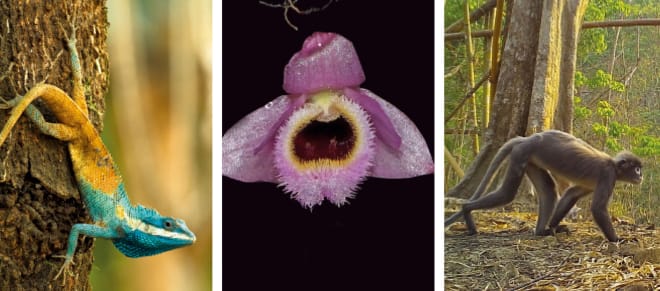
[{"x": 323, "y": 138}]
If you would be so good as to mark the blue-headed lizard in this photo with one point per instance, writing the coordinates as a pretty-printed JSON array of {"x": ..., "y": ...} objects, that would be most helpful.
[{"x": 135, "y": 230}]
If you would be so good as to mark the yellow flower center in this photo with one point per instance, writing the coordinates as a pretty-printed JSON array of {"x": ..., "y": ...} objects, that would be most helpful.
[{"x": 326, "y": 133}]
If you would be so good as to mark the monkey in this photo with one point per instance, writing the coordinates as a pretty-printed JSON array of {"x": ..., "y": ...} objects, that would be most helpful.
[{"x": 566, "y": 157}]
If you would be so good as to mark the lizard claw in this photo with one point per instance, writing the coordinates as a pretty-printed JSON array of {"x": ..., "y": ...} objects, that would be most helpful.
[
  {"x": 69, "y": 37},
  {"x": 4, "y": 104},
  {"x": 67, "y": 262},
  {"x": 7, "y": 104}
]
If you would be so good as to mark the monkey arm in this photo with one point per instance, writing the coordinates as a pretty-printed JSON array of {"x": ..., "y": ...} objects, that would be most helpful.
[{"x": 599, "y": 202}]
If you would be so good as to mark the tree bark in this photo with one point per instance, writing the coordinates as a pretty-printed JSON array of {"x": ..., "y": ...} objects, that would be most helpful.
[
  {"x": 552, "y": 94},
  {"x": 39, "y": 198}
]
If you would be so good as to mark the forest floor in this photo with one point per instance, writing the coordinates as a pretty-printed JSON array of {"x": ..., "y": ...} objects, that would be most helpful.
[{"x": 505, "y": 255}]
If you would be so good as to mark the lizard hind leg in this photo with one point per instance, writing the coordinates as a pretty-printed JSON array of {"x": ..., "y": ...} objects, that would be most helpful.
[{"x": 70, "y": 116}]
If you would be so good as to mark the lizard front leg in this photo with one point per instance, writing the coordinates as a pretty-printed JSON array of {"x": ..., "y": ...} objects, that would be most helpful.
[{"x": 90, "y": 230}]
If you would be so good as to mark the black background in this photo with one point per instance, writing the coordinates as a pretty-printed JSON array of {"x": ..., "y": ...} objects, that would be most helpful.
[{"x": 384, "y": 237}]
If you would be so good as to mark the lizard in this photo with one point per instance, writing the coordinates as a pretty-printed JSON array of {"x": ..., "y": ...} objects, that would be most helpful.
[{"x": 135, "y": 230}]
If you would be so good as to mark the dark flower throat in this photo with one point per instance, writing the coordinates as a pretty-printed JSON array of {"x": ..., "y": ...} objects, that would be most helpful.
[{"x": 325, "y": 140}]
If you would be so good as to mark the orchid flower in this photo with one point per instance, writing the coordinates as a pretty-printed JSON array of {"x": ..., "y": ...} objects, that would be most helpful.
[{"x": 326, "y": 135}]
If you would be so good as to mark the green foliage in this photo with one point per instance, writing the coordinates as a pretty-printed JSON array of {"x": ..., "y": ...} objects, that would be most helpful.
[
  {"x": 592, "y": 41},
  {"x": 617, "y": 129},
  {"x": 454, "y": 9},
  {"x": 612, "y": 143},
  {"x": 606, "y": 9},
  {"x": 580, "y": 112},
  {"x": 604, "y": 109},
  {"x": 603, "y": 79},
  {"x": 612, "y": 131},
  {"x": 648, "y": 146},
  {"x": 599, "y": 129},
  {"x": 580, "y": 79}
]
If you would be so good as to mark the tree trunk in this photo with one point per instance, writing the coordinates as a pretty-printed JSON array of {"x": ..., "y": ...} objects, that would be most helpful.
[
  {"x": 514, "y": 87},
  {"x": 39, "y": 198},
  {"x": 552, "y": 94},
  {"x": 535, "y": 85},
  {"x": 572, "y": 16}
]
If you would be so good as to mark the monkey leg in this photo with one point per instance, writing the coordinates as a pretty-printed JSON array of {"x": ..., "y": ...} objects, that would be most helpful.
[
  {"x": 507, "y": 191},
  {"x": 547, "y": 196},
  {"x": 567, "y": 201}
]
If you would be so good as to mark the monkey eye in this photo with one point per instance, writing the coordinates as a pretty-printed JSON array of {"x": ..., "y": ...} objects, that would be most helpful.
[{"x": 638, "y": 170}]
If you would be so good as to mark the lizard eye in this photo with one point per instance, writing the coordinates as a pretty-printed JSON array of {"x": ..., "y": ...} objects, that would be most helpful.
[{"x": 168, "y": 224}]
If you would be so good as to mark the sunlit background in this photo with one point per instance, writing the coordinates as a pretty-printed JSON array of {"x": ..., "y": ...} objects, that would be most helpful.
[{"x": 158, "y": 128}]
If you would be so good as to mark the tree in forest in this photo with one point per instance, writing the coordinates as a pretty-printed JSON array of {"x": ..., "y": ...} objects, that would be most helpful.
[
  {"x": 39, "y": 198},
  {"x": 534, "y": 89}
]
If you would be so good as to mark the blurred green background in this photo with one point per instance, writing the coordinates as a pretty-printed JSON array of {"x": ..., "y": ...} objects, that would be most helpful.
[{"x": 158, "y": 129}]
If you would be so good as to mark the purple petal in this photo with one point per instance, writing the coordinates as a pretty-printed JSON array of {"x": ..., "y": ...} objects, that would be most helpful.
[
  {"x": 326, "y": 61},
  {"x": 384, "y": 128},
  {"x": 297, "y": 101},
  {"x": 413, "y": 157},
  {"x": 239, "y": 160}
]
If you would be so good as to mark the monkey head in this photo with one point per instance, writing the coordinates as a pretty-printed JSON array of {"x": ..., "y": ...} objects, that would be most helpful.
[{"x": 628, "y": 167}]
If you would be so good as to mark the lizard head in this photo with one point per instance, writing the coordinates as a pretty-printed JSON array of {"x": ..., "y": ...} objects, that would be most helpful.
[{"x": 150, "y": 233}]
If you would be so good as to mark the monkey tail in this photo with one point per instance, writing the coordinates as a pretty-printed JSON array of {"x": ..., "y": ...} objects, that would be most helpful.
[{"x": 495, "y": 164}]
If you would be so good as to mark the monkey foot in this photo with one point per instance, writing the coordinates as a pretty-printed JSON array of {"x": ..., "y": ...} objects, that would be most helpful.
[{"x": 554, "y": 230}]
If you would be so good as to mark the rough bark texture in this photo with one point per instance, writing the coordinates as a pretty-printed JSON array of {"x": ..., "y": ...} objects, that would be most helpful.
[
  {"x": 514, "y": 87},
  {"x": 552, "y": 96},
  {"x": 572, "y": 16},
  {"x": 39, "y": 198}
]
